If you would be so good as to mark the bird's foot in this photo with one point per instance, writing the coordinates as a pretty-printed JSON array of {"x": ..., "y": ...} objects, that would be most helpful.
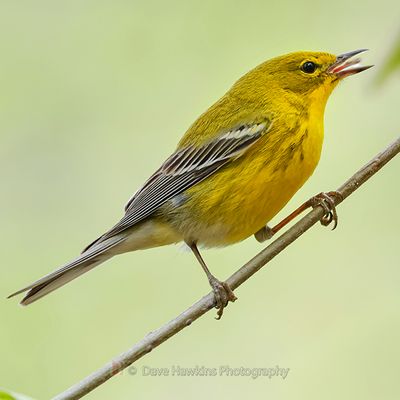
[
  {"x": 223, "y": 295},
  {"x": 327, "y": 202}
]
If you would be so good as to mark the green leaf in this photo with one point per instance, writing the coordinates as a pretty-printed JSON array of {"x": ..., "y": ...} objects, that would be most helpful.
[
  {"x": 8, "y": 395},
  {"x": 392, "y": 64}
]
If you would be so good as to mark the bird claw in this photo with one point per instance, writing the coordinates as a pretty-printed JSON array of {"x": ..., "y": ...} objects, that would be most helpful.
[
  {"x": 223, "y": 295},
  {"x": 327, "y": 202}
]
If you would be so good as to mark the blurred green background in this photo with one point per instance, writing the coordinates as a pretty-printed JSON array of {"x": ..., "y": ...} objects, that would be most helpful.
[{"x": 94, "y": 96}]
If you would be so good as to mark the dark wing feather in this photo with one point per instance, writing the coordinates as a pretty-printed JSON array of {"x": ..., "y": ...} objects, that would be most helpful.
[{"x": 184, "y": 169}]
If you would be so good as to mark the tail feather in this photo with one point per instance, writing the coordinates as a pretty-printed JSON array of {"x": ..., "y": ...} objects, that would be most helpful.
[{"x": 84, "y": 263}]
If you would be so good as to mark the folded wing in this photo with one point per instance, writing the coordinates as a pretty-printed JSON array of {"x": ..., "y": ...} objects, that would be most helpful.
[{"x": 183, "y": 169}]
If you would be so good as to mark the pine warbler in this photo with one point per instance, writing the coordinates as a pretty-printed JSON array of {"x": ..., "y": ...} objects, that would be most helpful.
[{"x": 232, "y": 172}]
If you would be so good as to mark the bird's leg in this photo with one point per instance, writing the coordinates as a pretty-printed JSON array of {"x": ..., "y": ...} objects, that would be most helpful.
[
  {"x": 325, "y": 200},
  {"x": 264, "y": 234},
  {"x": 222, "y": 292}
]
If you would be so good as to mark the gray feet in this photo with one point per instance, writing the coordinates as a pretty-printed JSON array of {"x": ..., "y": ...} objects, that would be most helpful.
[
  {"x": 326, "y": 201},
  {"x": 223, "y": 295},
  {"x": 222, "y": 292}
]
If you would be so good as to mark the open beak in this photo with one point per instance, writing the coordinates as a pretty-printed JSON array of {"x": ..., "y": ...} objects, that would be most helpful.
[{"x": 345, "y": 65}]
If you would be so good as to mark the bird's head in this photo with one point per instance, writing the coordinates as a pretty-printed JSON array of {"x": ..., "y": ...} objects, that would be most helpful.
[{"x": 306, "y": 74}]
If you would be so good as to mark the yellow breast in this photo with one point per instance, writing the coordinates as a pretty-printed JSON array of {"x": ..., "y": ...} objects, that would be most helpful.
[{"x": 244, "y": 196}]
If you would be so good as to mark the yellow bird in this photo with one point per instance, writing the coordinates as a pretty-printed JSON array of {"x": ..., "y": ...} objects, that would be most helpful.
[{"x": 234, "y": 169}]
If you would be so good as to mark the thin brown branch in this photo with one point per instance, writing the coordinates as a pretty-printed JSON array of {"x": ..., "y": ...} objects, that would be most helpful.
[{"x": 155, "y": 338}]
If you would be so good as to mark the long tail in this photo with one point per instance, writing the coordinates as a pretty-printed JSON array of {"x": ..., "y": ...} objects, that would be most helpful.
[{"x": 89, "y": 259}]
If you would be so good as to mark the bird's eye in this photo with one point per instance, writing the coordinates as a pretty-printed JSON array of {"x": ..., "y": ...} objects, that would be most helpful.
[{"x": 308, "y": 67}]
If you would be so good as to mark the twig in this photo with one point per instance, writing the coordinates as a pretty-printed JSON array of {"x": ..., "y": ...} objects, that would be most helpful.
[{"x": 154, "y": 339}]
